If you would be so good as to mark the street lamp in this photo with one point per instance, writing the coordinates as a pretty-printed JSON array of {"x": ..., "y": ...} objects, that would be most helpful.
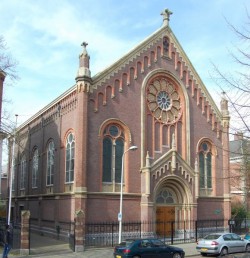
[
  {"x": 12, "y": 170},
  {"x": 121, "y": 193}
]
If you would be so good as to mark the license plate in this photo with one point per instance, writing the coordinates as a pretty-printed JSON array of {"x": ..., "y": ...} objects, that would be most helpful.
[
  {"x": 203, "y": 249},
  {"x": 118, "y": 256}
]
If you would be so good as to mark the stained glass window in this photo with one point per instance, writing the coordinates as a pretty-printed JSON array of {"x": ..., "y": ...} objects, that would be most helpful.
[
  {"x": 23, "y": 173},
  {"x": 113, "y": 148},
  {"x": 205, "y": 165},
  {"x": 107, "y": 160},
  {"x": 70, "y": 158},
  {"x": 50, "y": 163},
  {"x": 35, "y": 169}
]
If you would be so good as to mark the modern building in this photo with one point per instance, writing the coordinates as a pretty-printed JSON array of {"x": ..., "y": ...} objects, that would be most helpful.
[{"x": 71, "y": 155}]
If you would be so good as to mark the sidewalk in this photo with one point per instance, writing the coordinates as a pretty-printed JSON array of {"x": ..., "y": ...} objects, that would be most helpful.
[{"x": 58, "y": 249}]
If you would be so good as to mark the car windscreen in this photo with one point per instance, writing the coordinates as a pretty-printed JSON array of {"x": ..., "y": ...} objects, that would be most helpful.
[{"x": 212, "y": 237}]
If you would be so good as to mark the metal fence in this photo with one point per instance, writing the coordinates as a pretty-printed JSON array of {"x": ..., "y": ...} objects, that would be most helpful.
[
  {"x": 171, "y": 232},
  {"x": 60, "y": 230}
]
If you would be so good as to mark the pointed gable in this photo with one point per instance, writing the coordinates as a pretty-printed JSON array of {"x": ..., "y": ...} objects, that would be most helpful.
[{"x": 163, "y": 49}]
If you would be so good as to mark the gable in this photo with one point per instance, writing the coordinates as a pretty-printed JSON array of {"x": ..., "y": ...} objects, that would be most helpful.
[{"x": 150, "y": 53}]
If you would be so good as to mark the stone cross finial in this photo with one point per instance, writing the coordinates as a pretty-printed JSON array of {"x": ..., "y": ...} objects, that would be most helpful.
[
  {"x": 84, "y": 44},
  {"x": 166, "y": 16}
]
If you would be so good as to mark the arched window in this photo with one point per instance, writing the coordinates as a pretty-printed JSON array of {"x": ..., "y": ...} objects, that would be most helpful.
[
  {"x": 23, "y": 173},
  {"x": 50, "y": 163},
  {"x": 70, "y": 158},
  {"x": 205, "y": 165},
  {"x": 113, "y": 147},
  {"x": 35, "y": 169},
  {"x": 165, "y": 197}
]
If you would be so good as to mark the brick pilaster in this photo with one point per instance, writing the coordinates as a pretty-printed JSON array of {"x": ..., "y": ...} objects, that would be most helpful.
[
  {"x": 25, "y": 224},
  {"x": 79, "y": 231}
]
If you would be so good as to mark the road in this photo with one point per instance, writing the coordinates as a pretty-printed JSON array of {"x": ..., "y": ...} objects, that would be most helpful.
[{"x": 236, "y": 255}]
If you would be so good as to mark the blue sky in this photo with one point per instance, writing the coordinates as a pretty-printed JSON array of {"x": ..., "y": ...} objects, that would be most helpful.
[{"x": 45, "y": 37}]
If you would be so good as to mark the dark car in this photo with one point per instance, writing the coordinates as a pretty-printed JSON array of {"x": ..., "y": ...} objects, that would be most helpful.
[{"x": 150, "y": 248}]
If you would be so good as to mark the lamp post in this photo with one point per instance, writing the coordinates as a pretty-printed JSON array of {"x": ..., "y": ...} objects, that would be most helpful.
[
  {"x": 12, "y": 170},
  {"x": 121, "y": 192}
]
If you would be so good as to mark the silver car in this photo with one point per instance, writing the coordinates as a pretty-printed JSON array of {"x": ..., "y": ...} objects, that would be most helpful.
[{"x": 222, "y": 243}]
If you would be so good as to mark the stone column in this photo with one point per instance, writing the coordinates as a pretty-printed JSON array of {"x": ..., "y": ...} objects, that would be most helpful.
[
  {"x": 79, "y": 231},
  {"x": 25, "y": 224}
]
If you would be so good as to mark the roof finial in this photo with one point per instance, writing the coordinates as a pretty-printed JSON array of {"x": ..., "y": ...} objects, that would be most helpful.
[
  {"x": 166, "y": 16},
  {"x": 84, "y": 45},
  {"x": 83, "y": 70}
]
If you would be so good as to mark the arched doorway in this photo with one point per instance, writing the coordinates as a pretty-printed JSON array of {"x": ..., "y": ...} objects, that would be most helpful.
[
  {"x": 172, "y": 205},
  {"x": 165, "y": 211}
]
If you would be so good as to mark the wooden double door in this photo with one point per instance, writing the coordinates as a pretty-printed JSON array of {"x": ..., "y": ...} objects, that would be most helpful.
[{"x": 165, "y": 215}]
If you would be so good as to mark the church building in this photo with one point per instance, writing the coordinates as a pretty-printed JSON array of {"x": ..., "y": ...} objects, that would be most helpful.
[{"x": 145, "y": 129}]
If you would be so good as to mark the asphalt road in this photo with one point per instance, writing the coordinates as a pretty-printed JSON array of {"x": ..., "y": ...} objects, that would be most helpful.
[{"x": 236, "y": 255}]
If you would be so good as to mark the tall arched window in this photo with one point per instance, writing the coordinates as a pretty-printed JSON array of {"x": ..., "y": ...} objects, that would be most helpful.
[
  {"x": 205, "y": 165},
  {"x": 70, "y": 158},
  {"x": 50, "y": 163},
  {"x": 113, "y": 147},
  {"x": 35, "y": 169},
  {"x": 23, "y": 173}
]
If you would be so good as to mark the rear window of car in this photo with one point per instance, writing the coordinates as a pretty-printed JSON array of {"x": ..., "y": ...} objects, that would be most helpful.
[
  {"x": 157, "y": 242},
  {"x": 126, "y": 242},
  {"x": 212, "y": 236}
]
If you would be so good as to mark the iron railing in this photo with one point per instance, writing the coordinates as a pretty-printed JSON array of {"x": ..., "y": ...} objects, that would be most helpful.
[{"x": 171, "y": 232}]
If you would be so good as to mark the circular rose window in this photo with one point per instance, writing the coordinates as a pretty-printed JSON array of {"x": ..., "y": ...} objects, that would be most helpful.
[{"x": 163, "y": 101}]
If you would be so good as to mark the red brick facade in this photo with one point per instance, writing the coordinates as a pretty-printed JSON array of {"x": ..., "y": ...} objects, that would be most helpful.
[{"x": 156, "y": 98}]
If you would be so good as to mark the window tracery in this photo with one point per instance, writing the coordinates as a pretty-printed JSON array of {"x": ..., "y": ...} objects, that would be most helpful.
[
  {"x": 70, "y": 158},
  {"x": 113, "y": 147},
  {"x": 205, "y": 164},
  {"x": 35, "y": 159}
]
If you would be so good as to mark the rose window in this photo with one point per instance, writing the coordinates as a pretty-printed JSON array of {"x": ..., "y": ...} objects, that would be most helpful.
[{"x": 163, "y": 101}]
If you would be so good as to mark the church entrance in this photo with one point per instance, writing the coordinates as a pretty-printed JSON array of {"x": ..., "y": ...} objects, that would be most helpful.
[{"x": 164, "y": 216}]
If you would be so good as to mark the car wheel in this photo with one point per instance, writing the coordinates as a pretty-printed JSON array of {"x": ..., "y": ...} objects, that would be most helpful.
[
  {"x": 224, "y": 251},
  {"x": 176, "y": 255},
  {"x": 203, "y": 254},
  {"x": 248, "y": 248}
]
